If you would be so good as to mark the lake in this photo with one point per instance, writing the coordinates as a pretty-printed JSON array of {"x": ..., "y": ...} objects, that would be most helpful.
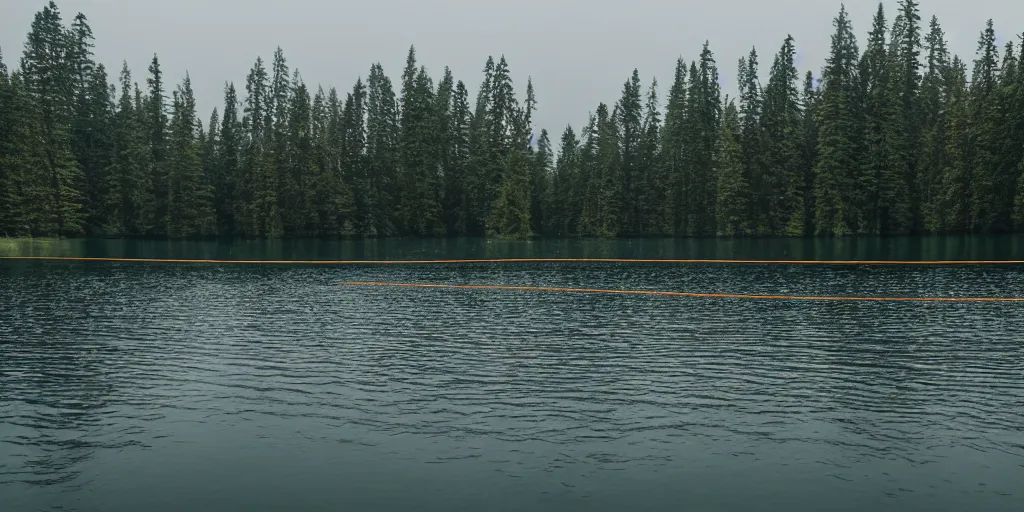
[{"x": 167, "y": 387}]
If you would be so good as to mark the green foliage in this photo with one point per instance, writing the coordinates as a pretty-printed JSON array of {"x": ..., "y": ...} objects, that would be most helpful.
[
  {"x": 732, "y": 214},
  {"x": 189, "y": 207},
  {"x": 782, "y": 126},
  {"x": 750, "y": 205},
  {"x": 894, "y": 140},
  {"x": 127, "y": 178},
  {"x": 838, "y": 137}
]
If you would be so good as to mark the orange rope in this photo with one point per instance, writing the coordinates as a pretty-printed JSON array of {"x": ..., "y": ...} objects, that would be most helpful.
[
  {"x": 684, "y": 294},
  {"x": 518, "y": 260}
]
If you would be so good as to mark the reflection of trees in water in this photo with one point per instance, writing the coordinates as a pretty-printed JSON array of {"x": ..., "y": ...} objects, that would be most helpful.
[
  {"x": 953, "y": 247},
  {"x": 55, "y": 375}
]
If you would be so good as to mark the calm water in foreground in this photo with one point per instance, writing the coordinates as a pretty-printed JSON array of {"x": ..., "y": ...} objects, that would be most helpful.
[{"x": 168, "y": 387}]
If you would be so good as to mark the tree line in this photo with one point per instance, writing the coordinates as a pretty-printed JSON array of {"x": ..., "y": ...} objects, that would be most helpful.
[{"x": 896, "y": 138}]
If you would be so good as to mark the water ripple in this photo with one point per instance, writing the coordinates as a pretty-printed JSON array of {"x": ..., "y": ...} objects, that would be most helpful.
[{"x": 122, "y": 376}]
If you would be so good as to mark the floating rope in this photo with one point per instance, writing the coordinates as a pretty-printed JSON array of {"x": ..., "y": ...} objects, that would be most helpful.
[{"x": 683, "y": 294}]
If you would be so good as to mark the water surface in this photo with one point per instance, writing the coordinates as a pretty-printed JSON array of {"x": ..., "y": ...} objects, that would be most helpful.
[{"x": 130, "y": 386}]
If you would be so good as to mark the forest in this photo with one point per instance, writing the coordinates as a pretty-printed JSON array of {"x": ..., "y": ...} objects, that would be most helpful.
[{"x": 889, "y": 138}]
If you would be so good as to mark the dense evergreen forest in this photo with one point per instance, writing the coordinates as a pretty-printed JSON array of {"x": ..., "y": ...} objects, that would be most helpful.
[{"x": 894, "y": 138}]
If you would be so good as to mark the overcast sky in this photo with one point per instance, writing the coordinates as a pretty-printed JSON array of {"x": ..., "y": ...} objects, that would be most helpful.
[{"x": 578, "y": 52}]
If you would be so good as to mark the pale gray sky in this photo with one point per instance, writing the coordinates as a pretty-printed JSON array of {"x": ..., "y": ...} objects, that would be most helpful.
[{"x": 579, "y": 52}]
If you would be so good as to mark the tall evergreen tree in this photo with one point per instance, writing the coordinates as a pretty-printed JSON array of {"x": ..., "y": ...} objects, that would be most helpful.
[
  {"x": 127, "y": 178},
  {"x": 651, "y": 182},
  {"x": 297, "y": 174},
  {"x": 907, "y": 82},
  {"x": 732, "y": 215},
  {"x": 883, "y": 205},
  {"x": 456, "y": 200},
  {"x": 988, "y": 186},
  {"x": 754, "y": 201},
  {"x": 382, "y": 150},
  {"x": 226, "y": 180},
  {"x": 93, "y": 113},
  {"x": 703, "y": 118},
  {"x": 673, "y": 152},
  {"x": 49, "y": 79},
  {"x": 954, "y": 202},
  {"x": 563, "y": 205},
  {"x": 602, "y": 181},
  {"x": 783, "y": 132},
  {"x": 156, "y": 116},
  {"x": 540, "y": 184},
  {"x": 189, "y": 208},
  {"x": 23, "y": 190},
  {"x": 419, "y": 178},
  {"x": 1018, "y": 211},
  {"x": 810, "y": 99},
  {"x": 838, "y": 136},
  {"x": 480, "y": 181},
  {"x": 510, "y": 214},
  {"x": 934, "y": 104},
  {"x": 630, "y": 125},
  {"x": 254, "y": 151},
  {"x": 353, "y": 159}
]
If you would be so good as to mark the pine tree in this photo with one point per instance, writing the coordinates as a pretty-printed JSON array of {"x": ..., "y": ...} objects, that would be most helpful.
[
  {"x": 753, "y": 202},
  {"x": 382, "y": 150},
  {"x": 49, "y": 79},
  {"x": 156, "y": 115},
  {"x": 10, "y": 177},
  {"x": 1008, "y": 138},
  {"x": 503, "y": 174},
  {"x": 732, "y": 215},
  {"x": 883, "y": 203},
  {"x": 955, "y": 198},
  {"x": 810, "y": 98},
  {"x": 510, "y": 215},
  {"x": 352, "y": 161},
  {"x": 907, "y": 85},
  {"x": 630, "y": 124},
  {"x": 1018, "y": 212},
  {"x": 934, "y": 114},
  {"x": 540, "y": 184},
  {"x": 296, "y": 171},
  {"x": 323, "y": 155},
  {"x": 782, "y": 125},
  {"x": 602, "y": 181},
  {"x": 987, "y": 185},
  {"x": 444, "y": 142},
  {"x": 652, "y": 183},
  {"x": 253, "y": 151},
  {"x": 93, "y": 113},
  {"x": 456, "y": 200},
  {"x": 209, "y": 154},
  {"x": 419, "y": 178},
  {"x": 704, "y": 111},
  {"x": 480, "y": 179},
  {"x": 563, "y": 203},
  {"x": 673, "y": 152},
  {"x": 838, "y": 136},
  {"x": 127, "y": 179},
  {"x": 226, "y": 181},
  {"x": 266, "y": 203},
  {"x": 22, "y": 159},
  {"x": 190, "y": 212}
]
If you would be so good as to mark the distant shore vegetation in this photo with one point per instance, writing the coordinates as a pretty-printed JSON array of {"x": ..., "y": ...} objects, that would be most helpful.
[{"x": 893, "y": 136}]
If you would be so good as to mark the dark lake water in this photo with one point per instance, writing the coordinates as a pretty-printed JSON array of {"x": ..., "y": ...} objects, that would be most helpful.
[{"x": 168, "y": 387}]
